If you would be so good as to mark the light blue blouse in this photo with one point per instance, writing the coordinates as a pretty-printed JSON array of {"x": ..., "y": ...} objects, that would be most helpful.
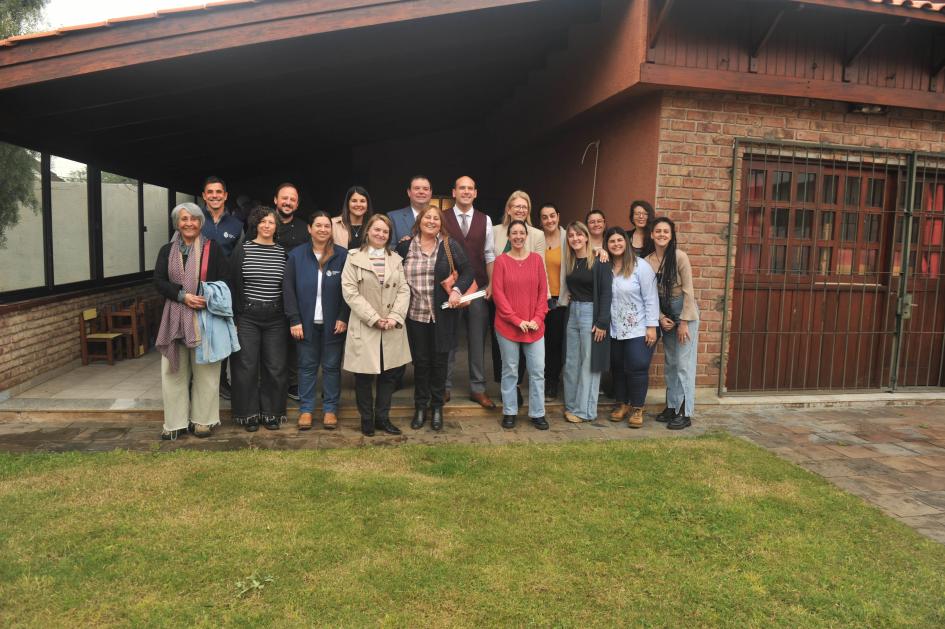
[{"x": 635, "y": 305}]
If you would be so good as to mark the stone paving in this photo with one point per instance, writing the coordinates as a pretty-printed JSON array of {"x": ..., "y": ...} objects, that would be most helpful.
[{"x": 891, "y": 456}]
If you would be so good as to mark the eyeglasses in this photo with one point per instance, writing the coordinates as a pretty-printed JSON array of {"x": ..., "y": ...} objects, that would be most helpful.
[{"x": 518, "y": 207}]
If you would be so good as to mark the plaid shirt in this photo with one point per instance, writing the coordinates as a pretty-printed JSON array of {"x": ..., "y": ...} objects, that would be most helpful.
[{"x": 418, "y": 267}]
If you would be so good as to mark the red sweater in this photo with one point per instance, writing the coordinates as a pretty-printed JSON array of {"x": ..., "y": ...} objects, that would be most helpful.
[{"x": 520, "y": 293}]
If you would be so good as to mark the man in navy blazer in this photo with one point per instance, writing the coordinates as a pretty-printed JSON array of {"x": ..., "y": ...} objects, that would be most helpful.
[{"x": 419, "y": 191}]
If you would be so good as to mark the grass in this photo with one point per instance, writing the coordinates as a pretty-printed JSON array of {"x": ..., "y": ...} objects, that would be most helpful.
[{"x": 674, "y": 533}]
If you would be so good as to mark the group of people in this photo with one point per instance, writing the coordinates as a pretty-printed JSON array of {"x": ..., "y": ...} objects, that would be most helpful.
[{"x": 286, "y": 299}]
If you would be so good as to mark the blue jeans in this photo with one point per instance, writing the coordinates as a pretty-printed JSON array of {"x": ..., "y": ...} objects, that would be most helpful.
[
  {"x": 326, "y": 354},
  {"x": 630, "y": 366},
  {"x": 535, "y": 359},
  {"x": 581, "y": 385},
  {"x": 681, "y": 366}
]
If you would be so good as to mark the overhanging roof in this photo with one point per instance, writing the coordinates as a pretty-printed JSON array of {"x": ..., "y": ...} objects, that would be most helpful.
[{"x": 249, "y": 81}]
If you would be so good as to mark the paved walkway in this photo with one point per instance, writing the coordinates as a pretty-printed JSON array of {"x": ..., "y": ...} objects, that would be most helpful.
[{"x": 892, "y": 456}]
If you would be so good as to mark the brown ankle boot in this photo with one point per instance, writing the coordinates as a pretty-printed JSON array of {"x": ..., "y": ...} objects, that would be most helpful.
[
  {"x": 636, "y": 417},
  {"x": 619, "y": 413}
]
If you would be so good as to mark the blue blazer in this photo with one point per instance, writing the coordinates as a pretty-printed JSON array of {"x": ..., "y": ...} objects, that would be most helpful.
[
  {"x": 403, "y": 223},
  {"x": 300, "y": 288}
]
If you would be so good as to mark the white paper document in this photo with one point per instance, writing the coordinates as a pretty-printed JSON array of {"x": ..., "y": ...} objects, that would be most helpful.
[{"x": 466, "y": 298}]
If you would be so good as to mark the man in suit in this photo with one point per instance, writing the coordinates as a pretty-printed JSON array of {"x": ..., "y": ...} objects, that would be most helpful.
[
  {"x": 473, "y": 228},
  {"x": 419, "y": 191}
]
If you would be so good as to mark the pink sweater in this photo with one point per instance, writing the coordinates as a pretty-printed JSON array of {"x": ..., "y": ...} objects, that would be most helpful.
[{"x": 520, "y": 293}]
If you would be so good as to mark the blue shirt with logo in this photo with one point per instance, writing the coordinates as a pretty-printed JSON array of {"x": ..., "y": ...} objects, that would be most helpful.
[{"x": 226, "y": 232}]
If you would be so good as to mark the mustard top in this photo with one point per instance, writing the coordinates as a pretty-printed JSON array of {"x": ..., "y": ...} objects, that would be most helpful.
[{"x": 553, "y": 266}]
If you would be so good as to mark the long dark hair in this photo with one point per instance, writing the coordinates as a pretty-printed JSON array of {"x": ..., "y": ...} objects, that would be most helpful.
[
  {"x": 330, "y": 245},
  {"x": 650, "y": 217},
  {"x": 346, "y": 212},
  {"x": 628, "y": 259},
  {"x": 667, "y": 271}
]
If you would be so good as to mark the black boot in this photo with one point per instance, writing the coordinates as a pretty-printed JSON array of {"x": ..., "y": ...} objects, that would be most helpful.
[
  {"x": 367, "y": 426},
  {"x": 419, "y": 418},
  {"x": 679, "y": 422},
  {"x": 436, "y": 423},
  {"x": 385, "y": 425},
  {"x": 540, "y": 423},
  {"x": 667, "y": 414},
  {"x": 508, "y": 421}
]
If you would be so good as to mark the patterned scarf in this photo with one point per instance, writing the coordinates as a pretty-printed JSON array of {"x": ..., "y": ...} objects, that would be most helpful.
[{"x": 179, "y": 321}]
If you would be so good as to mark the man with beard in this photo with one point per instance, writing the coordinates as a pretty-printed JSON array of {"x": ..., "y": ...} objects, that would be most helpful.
[
  {"x": 291, "y": 232},
  {"x": 225, "y": 229}
]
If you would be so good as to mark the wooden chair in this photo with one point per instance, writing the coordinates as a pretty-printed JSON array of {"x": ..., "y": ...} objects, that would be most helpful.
[
  {"x": 92, "y": 335},
  {"x": 130, "y": 318}
]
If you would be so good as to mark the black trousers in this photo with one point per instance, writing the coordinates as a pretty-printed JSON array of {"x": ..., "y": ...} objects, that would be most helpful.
[
  {"x": 259, "y": 368},
  {"x": 377, "y": 408},
  {"x": 630, "y": 366},
  {"x": 555, "y": 324},
  {"x": 429, "y": 365}
]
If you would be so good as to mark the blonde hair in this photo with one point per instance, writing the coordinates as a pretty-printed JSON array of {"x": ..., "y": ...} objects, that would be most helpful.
[
  {"x": 581, "y": 228},
  {"x": 367, "y": 228},
  {"x": 518, "y": 194}
]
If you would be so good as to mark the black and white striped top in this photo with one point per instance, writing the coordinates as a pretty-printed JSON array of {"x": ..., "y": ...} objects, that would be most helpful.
[{"x": 263, "y": 268}]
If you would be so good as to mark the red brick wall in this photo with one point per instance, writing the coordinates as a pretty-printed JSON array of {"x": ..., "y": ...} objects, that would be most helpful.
[
  {"x": 697, "y": 131},
  {"x": 41, "y": 338}
]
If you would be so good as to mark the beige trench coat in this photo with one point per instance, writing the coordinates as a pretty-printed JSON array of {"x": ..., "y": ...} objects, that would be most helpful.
[{"x": 370, "y": 302}]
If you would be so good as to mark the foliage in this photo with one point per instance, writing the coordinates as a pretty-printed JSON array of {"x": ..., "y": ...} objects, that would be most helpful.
[
  {"x": 18, "y": 166},
  {"x": 253, "y": 583},
  {"x": 702, "y": 532},
  {"x": 19, "y": 170},
  {"x": 20, "y": 16}
]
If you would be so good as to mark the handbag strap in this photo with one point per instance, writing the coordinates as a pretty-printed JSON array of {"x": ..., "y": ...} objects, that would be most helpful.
[
  {"x": 449, "y": 254},
  {"x": 204, "y": 260}
]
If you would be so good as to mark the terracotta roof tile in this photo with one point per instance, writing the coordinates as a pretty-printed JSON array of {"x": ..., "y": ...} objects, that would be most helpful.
[{"x": 921, "y": 5}]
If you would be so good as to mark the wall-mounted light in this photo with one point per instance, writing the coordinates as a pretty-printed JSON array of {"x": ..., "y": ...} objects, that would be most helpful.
[{"x": 865, "y": 108}]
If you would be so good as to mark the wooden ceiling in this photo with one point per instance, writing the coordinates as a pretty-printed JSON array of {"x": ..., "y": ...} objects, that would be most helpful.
[{"x": 318, "y": 95}]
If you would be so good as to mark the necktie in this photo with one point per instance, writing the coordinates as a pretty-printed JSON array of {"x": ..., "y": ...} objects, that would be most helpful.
[{"x": 465, "y": 225}]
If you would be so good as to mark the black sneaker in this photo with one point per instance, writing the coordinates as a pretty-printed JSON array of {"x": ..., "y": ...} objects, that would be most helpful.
[
  {"x": 667, "y": 414},
  {"x": 225, "y": 392},
  {"x": 679, "y": 422},
  {"x": 508, "y": 421},
  {"x": 540, "y": 423},
  {"x": 271, "y": 422},
  {"x": 294, "y": 392},
  {"x": 252, "y": 423}
]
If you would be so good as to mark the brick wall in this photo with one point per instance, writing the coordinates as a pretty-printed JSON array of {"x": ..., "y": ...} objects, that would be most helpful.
[
  {"x": 42, "y": 338},
  {"x": 694, "y": 172}
]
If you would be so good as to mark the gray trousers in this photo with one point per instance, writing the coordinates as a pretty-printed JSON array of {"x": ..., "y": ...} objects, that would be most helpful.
[
  {"x": 476, "y": 320},
  {"x": 192, "y": 393}
]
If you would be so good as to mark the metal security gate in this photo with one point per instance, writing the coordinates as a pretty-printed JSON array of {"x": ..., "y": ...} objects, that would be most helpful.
[{"x": 837, "y": 269}]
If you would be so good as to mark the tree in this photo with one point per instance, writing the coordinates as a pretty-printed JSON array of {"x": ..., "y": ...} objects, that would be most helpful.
[
  {"x": 20, "y": 16},
  {"x": 18, "y": 166}
]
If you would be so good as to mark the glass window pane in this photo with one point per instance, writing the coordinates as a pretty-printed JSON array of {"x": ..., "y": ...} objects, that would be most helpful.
[
  {"x": 851, "y": 193},
  {"x": 871, "y": 227},
  {"x": 21, "y": 219},
  {"x": 806, "y": 184},
  {"x": 867, "y": 263},
  {"x": 848, "y": 227},
  {"x": 155, "y": 223},
  {"x": 778, "y": 255},
  {"x": 800, "y": 263},
  {"x": 756, "y": 185},
  {"x": 845, "y": 261},
  {"x": 753, "y": 222},
  {"x": 824, "y": 256},
  {"x": 779, "y": 223},
  {"x": 183, "y": 197},
  {"x": 781, "y": 190},
  {"x": 750, "y": 260},
  {"x": 877, "y": 192},
  {"x": 119, "y": 225},
  {"x": 826, "y": 225},
  {"x": 831, "y": 183},
  {"x": 70, "y": 217},
  {"x": 803, "y": 220}
]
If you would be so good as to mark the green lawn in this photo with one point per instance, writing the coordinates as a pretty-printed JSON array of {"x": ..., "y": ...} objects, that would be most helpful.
[{"x": 675, "y": 533}]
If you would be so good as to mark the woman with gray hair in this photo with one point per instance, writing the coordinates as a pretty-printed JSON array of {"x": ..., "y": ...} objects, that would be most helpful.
[{"x": 190, "y": 389}]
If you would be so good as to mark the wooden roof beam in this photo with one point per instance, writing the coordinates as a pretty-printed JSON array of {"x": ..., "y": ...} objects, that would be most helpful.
[
  {"x": 656, "y": 28},
  {"x": 858, "y": 52}
]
